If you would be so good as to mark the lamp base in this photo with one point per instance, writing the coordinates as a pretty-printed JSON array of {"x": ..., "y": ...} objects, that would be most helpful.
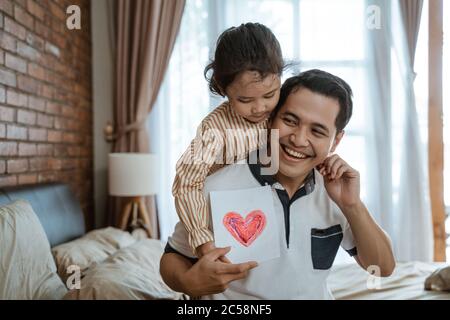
[{"x": 136, "y": 206}]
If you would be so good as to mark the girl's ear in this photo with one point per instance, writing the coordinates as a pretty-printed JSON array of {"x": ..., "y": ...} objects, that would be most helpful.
[{"x": 336, "y": 141}]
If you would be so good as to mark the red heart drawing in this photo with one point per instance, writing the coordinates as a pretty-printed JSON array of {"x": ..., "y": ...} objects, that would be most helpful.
[{"x": 245, "y": 231}]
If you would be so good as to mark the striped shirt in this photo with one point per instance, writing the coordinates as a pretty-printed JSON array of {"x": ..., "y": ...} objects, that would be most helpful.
[{"x": 223, "y": 137}]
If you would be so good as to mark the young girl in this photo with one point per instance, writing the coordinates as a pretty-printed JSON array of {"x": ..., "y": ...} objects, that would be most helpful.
[{"x": 246, "y": 69}]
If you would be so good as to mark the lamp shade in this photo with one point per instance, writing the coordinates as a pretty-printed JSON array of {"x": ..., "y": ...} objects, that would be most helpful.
[{"x": 133, "y": 174}]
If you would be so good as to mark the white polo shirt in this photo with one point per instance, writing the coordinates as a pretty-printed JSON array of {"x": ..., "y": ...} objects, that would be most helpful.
[{"x": 311, "y": 229}]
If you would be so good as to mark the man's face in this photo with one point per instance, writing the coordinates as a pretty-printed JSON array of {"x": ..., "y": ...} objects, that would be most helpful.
[{"x": 307, "y": 129}]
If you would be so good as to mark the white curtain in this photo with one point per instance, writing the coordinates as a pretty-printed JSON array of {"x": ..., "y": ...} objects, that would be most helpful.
[
  {"x": 331, "y": 35},
  {"x": 182, "y": 103},
  {"x": 398, "y": 175}
]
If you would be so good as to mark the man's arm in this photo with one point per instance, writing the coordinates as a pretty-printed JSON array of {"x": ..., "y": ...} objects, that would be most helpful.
[
  {"x": 172, "y": 268},
  {"x": 373, "y": 244},
  {"x": 374, "y": 247},
  {"x": 206, "y": 276}
]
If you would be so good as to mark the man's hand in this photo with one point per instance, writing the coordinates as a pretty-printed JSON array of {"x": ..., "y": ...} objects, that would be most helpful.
[
  {"x": 208, "y": 247},
  {"x": 341, "y": 182},
  {"x": 210, "y": 276}
]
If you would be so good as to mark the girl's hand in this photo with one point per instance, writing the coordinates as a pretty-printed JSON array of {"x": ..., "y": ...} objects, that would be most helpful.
[
  {"x": 208, "y": 247},
  {"x": 210, "y": 276}
]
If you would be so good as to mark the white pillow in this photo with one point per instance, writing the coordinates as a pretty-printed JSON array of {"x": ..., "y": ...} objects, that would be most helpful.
[
  {"x": 27, "y": 269},
  {"x": 92, "y": 248},
  {"x": 130, "y": 273}
]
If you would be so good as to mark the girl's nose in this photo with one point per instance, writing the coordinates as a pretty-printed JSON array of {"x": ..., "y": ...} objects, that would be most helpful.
[{"x": 259, "y": 107}]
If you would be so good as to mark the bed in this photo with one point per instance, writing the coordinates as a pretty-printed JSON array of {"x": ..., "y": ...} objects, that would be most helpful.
[
  {"x": 47, "y": 254},
  {"x": 113, "y": 265},
  {"x": 55, "y": 205},
  {"x": 348, "y": 281}
]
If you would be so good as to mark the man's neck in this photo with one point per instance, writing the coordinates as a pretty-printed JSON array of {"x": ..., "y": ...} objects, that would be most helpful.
[{"x": 291, "y": 185}]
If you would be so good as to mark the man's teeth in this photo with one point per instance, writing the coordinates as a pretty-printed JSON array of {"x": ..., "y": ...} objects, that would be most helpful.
[{"x": 295, "y": 153}]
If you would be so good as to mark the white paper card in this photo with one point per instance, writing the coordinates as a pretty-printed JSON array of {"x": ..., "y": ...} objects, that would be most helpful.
[{"x": 245, "y": 220}]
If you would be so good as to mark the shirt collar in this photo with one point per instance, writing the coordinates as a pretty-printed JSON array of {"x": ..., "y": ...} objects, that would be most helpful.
[{"x": 264, "y": 180}]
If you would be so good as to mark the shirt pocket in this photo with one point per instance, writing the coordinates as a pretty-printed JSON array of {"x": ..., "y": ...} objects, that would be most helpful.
[{"x": 324, "y": 246}]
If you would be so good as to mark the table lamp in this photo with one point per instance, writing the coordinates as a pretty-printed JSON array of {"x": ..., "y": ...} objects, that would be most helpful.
[{"x": 133, "y": 175}]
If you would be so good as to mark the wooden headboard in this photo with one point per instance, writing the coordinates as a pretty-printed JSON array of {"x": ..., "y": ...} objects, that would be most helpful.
[{"x": 56, "y": 207}]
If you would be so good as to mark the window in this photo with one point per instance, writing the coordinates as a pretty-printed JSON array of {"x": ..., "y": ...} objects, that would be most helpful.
[
  {"x": 327, "y": 34},
  {"x": 341, "y": 50},
  {"x": 184, "y": 99}
]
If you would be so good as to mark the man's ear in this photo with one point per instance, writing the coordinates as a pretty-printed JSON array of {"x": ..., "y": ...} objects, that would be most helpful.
[{"x": 337, "y": 139}]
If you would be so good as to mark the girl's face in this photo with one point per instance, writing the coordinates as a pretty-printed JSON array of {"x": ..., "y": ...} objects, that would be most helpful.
[{"x": 253, "y": 97}]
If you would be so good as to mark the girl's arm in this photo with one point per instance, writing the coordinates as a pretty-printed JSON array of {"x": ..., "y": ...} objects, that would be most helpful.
[{"x": 191, "y": 172}]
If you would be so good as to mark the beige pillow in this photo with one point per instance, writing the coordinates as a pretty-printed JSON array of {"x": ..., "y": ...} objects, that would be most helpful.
[
  {"x": 92, "y": 248},
  {"x": 439, "y": 280},
  {"x": 131, "y": 273},
  {"x": 27, "y": 269}
]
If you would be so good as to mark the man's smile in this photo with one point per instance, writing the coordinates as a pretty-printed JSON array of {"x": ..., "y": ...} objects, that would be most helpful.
[{"x": 292, "y": 154}]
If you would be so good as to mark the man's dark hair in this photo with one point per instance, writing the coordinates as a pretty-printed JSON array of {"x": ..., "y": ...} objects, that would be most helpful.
[
  {"x": 249, "y": 47},
  {"x": 324, "y": 83}
]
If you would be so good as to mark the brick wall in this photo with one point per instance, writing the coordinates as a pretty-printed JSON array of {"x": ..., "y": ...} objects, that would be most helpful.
[{"x": 45, "y": 97}]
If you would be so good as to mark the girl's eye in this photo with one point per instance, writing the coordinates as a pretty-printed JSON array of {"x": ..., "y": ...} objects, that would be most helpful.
[
  {"x": 268, "y": 97},
  {"x": 244, "y": 101}
]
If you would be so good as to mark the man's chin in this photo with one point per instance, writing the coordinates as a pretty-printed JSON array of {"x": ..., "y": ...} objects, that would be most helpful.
[{"x": 293, "y": 171}]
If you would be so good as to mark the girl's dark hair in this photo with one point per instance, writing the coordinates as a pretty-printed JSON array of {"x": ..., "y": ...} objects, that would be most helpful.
[
  {"x": 324, "y": 83},
  {"x": 249, "y": 47}
]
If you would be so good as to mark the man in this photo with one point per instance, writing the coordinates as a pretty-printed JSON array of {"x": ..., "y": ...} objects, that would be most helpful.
[{"x": 317, "y": 204}]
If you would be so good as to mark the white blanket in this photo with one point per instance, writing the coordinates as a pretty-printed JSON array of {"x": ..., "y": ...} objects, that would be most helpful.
[{"x": 350, "y": 281}]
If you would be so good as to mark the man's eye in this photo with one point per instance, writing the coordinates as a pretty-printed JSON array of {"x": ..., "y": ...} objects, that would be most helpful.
[
  {"x": 289, "y": 121},
  {"x": 318, "y": 133}
]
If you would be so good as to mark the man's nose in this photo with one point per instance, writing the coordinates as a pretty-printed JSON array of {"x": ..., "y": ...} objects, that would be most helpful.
[{"x": 299, "y": 138}]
